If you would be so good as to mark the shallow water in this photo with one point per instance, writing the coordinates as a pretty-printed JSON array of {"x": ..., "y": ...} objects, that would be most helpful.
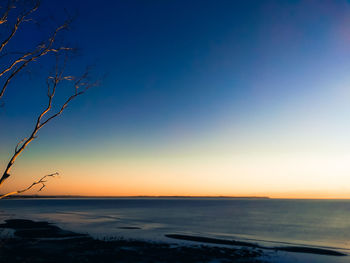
[{"x": 264, "y": 221}]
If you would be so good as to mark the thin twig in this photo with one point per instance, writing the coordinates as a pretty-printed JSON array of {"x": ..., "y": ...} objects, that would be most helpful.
[
  {"x": 20, "y": 19},
  {"x": 9, "y": 6},
  {"x": 41, "y": 181},
  {"x": 80, "y": 87},
  {"x": 29, "y": 57}
]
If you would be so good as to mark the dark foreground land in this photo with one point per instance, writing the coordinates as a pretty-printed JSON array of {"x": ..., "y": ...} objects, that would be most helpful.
[{"x": 44, "y": 242}]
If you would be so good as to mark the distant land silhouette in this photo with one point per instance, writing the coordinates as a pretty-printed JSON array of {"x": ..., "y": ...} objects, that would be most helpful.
[{"x": 140, "y": 196}]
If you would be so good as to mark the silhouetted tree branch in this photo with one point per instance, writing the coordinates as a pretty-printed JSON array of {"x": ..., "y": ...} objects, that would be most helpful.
[
  {"x": 41, "y": 50},
  {"x": 6, "y": 10},
  {"x": 20, "y": 19},
  {"x": 80, "y": 86},
  {"x": 8, "y": 72},
  {"x": 41, "y": 181}
]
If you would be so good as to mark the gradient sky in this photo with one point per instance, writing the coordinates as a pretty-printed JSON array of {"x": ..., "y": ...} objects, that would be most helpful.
[{"x": 197, "y": 98}]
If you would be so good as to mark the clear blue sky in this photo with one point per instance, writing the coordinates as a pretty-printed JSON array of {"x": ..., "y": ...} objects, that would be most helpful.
[{"x": 247, "y": 97}]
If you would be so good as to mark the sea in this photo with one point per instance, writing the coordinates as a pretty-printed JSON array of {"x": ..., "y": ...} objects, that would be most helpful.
[{"x": 269, "y": 222}]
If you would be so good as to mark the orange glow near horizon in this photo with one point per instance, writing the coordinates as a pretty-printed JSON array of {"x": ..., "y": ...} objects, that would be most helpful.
[{"x": 289, "y": 176}]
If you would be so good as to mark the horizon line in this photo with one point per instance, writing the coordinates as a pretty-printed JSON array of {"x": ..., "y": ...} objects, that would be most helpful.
[{"x": 172, "y": 196}]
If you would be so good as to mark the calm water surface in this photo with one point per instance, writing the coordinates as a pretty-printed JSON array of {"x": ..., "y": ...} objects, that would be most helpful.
[{"x": 309, "y": 222}]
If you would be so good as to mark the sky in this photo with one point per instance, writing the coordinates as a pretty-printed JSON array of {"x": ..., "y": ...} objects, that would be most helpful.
[{"x": 200, "y": 98}]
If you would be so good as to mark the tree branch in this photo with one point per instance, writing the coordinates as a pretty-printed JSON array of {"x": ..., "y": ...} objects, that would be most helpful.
[
  {"x": 15, "y": 27},
  {"x": 80, "y": 87},
  {"x": 17, "y": 62},
  {"x": 18, "y": 144},
  {"x": 9, "y": 6},
  {"x": 29, "y": 57},
  {"x": 41, "y": 181}
]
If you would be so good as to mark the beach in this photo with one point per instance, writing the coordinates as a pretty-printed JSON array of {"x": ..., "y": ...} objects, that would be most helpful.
[
  {"x": 39, "y": 241},
  {"x": 44, "y": 242}
]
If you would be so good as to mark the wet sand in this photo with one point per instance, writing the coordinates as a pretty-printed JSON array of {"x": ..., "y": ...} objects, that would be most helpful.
[
  {"x": 40, "y": 241},
  {"x": 45, "y": 242},
  {"x": 298, "y": 249}
]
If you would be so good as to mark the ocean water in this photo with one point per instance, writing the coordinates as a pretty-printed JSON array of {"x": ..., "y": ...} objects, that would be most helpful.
[{"x": 324, "y": 223}]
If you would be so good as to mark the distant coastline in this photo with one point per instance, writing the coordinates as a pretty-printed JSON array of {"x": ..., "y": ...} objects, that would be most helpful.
[{"x": 140, "y": 196}]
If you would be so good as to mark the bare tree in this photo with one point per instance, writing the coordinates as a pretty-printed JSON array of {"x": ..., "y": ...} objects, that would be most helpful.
[{"x": 11, "y": 70}]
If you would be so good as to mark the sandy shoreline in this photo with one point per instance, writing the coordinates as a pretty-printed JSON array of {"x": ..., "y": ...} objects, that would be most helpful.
[
  {"x": 41, "y": 241},
  {"x": 297, "y": 249},
  {"x": 45, "y": 242}
]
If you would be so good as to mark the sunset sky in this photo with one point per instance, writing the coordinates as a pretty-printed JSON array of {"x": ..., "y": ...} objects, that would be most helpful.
[{"x": 234, "y": 98}]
